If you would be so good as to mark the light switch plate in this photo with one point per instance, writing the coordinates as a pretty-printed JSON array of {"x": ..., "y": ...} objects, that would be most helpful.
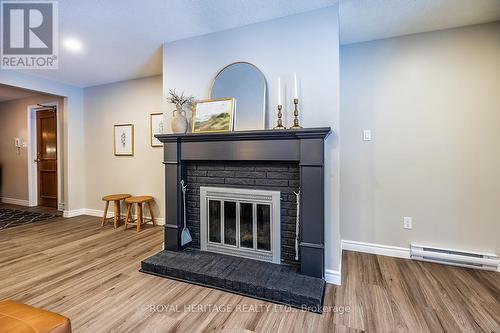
[
  {"x": 367, "y": 135},
  {"x": 407, "y": 222}
]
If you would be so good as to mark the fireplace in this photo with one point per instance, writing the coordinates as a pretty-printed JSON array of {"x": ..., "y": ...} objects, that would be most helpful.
[
  {"x": 299, "y": 157},
  {"x": 254, "y": 206},
  {"x": 241, "y": 222}
]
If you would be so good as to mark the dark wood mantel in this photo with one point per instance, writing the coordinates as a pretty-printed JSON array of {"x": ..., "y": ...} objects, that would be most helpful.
[
  {"x": 316, "y": 132},
  {"x": 305, "y": 146}
]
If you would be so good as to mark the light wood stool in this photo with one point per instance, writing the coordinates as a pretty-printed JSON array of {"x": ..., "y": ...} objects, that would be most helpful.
[
  {"x": 140, "y": 220},
  {"x": 116, "y": 198}
]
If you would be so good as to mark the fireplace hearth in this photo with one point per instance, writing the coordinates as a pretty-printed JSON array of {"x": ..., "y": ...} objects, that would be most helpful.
[
  {"x": 254, "y": 278},
  {"x": 242, "y": 203}
]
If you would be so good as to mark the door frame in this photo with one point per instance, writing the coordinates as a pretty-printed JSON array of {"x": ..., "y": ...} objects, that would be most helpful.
[{"x": 32, "y": 150}]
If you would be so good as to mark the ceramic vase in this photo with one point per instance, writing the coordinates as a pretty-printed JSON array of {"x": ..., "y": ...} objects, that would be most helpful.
[{"x": 179, "y": 121}]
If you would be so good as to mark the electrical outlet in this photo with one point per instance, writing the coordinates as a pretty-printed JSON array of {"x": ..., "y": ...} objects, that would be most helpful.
[
  {"x": 407, "y": 222},
  {"x": 367, "y": 135}
]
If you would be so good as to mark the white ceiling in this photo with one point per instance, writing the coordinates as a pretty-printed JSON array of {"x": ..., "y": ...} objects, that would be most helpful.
[
  {"x": 364, "y": 20},
  {"x": 123, "y": 38},
  {"x": 8, "y": 93}
]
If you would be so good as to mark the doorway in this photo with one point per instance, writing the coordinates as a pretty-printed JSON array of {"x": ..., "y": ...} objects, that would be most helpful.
[
  {"x": 46, "y": 157},
  {"x": 44, "y": 152}
]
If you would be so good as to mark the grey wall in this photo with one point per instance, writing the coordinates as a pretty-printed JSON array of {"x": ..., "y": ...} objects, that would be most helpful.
[
  {"x": 307, "y": 44},
  {"x": 432, "y": 102},
  {"x": 127, "y": 102}
]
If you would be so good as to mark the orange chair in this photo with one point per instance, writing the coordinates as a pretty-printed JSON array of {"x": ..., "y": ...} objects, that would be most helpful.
[{"x": 22, "y": 318}]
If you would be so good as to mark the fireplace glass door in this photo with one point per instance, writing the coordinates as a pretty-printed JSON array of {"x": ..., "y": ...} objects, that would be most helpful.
[{"x": 241, "y": 224}]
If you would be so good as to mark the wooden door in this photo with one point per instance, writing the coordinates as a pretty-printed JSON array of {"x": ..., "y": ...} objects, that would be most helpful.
[{"x": 46, "y": 128}]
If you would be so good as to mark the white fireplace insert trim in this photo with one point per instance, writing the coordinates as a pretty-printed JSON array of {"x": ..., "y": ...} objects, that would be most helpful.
[{"x": 239, "y": 195}]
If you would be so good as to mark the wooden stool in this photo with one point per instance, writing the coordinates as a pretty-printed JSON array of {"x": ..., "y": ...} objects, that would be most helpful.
[
  {"x": 116, "y": 199},
  {"x": 140, "y": 219}
]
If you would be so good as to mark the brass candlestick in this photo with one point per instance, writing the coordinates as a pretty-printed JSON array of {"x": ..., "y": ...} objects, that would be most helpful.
[
  {"x": 296, "y": 114},
  {"x": 280, "y": 121}
]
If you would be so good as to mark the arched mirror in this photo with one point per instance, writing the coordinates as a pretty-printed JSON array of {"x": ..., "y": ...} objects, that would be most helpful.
[{"x": 247, "y": 85}]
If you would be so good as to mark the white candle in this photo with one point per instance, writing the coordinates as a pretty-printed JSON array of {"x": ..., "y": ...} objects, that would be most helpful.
[
  {"x": 279, "y": 90},
  {"x": 295, "y": 81}
]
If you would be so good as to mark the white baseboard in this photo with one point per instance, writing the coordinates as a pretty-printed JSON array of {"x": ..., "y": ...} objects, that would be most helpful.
[
  {"x": 74, "y": 212},
  {"x": 383, "y": 250},
  {"x": 97, "y": 212},
  {"x": 333, "y": 277},
  {"x": 12, "y": 201},
  {"x": 100, "y": 213}
]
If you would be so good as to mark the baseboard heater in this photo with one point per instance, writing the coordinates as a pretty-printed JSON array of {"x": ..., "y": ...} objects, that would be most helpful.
[{"x": 486, "y": 261}]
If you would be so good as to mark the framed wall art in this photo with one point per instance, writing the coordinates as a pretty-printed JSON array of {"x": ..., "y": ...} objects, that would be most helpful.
[
  {"x": 214, "y": 115},
  {"x": 124, "y": 140},
  {"x": 156, "y": 124}
]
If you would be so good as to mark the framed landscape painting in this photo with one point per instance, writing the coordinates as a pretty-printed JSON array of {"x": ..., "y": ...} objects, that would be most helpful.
[
  {"x": 214, "y": 115},
  {"x": 156, "y": 127},
  {"x": 124, "y": 140}
]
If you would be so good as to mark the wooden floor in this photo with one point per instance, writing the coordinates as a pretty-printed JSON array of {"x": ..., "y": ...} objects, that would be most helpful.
[{"x": 90, "y": 274}]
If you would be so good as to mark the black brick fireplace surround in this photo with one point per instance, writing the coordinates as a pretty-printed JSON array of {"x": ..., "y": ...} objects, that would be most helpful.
[
  {"x": 278, "y": 176},
  {"x": 283, "y": 160}
]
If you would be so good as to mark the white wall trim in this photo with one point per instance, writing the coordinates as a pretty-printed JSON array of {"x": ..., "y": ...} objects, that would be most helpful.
[
  {"x": 12, "y": 201},
  {"x": 97, "y": 212},
  {"x": 74, "y": 212},
  {"x": 100, "y": 213},
  {"x": 333, "y": 277},
  {"x": 383, "y": 250}
]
